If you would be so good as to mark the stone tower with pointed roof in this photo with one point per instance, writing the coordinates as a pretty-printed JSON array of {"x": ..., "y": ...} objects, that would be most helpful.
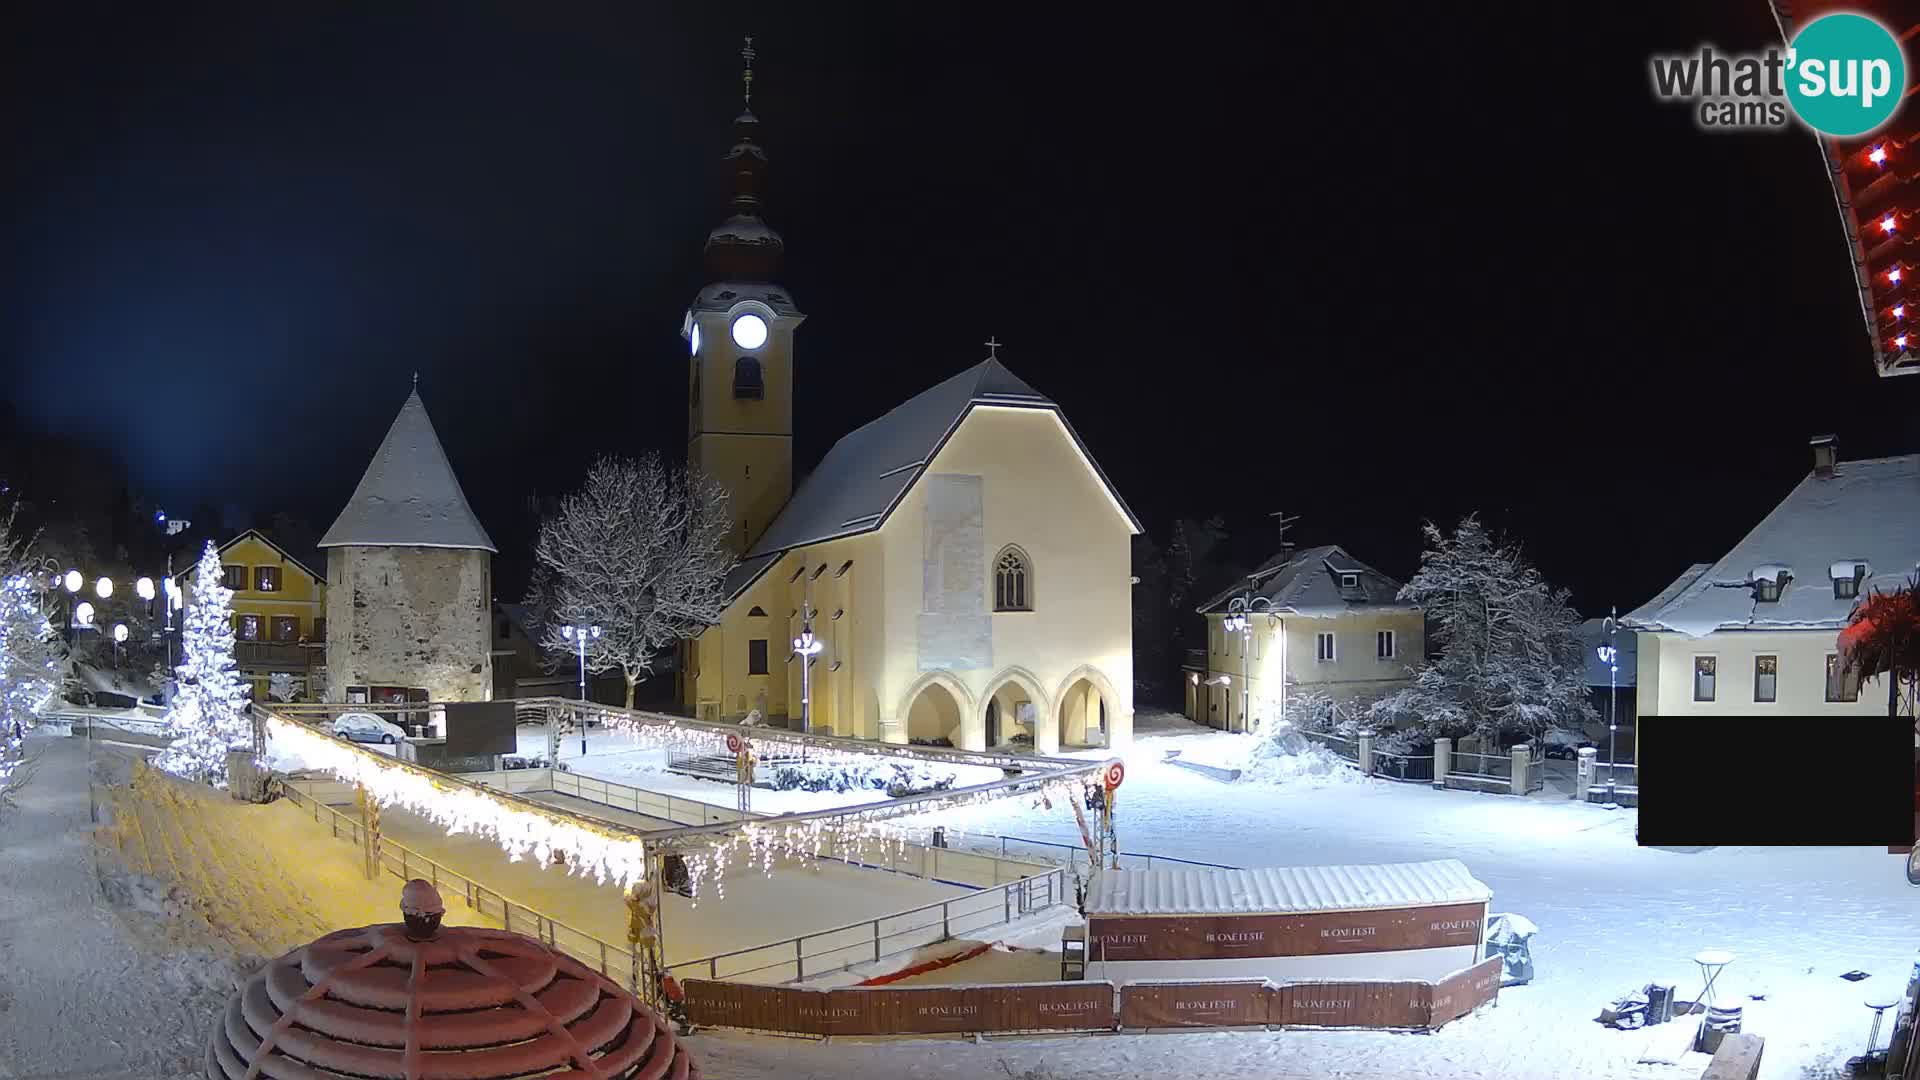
[{"x": 410, "y": 576}]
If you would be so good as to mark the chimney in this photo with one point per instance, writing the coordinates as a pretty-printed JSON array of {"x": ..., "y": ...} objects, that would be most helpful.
[{"x": 1826, "y": 454}]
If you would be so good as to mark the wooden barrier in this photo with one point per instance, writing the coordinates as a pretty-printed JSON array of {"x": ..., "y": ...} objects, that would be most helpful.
[
  {"x": 1319, "y": 933},
  {"x": 1091, "y": 1006}
]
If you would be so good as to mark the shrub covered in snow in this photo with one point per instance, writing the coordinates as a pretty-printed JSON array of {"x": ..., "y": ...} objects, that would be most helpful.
[{"x": 894, "y": 778}]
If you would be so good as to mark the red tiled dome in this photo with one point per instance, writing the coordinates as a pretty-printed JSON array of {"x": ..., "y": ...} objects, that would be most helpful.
[{"x": 465, "y": 1004}]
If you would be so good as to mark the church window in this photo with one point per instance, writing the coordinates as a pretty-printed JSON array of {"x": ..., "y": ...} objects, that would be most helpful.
[
  {"x": 837, "y": 612},
  {"x": 801, "y": 569},
  {"x": 1012, "y": 581},
  {"x": 747, "y": 382},
  {"x": 758, "y": 612},
  {"x": 844, "y": 567},
  {"x": 821, "y": 569},
  {"x": 757, "y": 656},
  {"x": 835, "y": 666}
]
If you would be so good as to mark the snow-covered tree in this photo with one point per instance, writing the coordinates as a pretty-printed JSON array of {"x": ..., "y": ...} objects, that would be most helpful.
[
  {"x": 207, "y": 717},
  {"x": 1511, "y": 659},
  {"x": 30, "y": 655},
  {"x": 639, "y": 551}
]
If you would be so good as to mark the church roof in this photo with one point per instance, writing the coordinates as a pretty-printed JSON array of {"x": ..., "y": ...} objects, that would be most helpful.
[
  {"x": 872, "y": 468},
  {"x": 409, "y": 496}
]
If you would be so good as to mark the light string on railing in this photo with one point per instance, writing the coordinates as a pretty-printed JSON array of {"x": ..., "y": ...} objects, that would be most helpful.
[{"x": 606, "y": 854}]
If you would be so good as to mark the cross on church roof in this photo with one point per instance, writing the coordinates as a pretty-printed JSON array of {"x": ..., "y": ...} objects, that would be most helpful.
[
  {"x": 993, "y": 348},
  {"x": 746, "y": 77}
]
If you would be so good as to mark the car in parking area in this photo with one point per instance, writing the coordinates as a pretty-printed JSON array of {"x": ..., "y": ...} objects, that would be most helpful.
[
  {"x": 366, "y": 727},
  {"x": 1561, "y": 743}
]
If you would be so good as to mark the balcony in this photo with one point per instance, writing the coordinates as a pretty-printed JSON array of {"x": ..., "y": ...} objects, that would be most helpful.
[{"x": 279, "y": 656}]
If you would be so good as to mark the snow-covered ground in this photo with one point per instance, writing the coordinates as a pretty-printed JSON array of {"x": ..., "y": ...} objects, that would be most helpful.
[{"x": 1612, "y": 917}]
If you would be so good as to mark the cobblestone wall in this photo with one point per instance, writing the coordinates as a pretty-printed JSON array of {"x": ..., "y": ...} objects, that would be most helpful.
[{"x": 410, "y": 616}]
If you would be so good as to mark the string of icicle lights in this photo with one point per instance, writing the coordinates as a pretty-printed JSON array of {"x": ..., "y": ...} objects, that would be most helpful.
[
  {"x": 877, "y": 830},
  {"x": 609, "y": 856},
  {"x": 672, "y": 737}
]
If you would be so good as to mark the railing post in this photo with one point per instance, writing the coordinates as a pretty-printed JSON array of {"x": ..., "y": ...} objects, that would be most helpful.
[
  {"x": 799, "y": 961},
  {"x": 946, "y": 925},
  {"x": 876, "y": 941},
  {"x": 1442, "y": 761},
  {"x": 1519, "y": 755},
  {"x": 1007, "y": 896},
  {"x": 1366, "y": 752},
  {"x": 1584, "y": 772}
]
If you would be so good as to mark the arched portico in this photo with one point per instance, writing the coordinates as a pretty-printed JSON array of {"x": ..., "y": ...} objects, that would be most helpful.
[
  {"x": 1087, "y": 710},
  {"x": 1006, "y": 691},
  {"x": 937, "y": 705}
]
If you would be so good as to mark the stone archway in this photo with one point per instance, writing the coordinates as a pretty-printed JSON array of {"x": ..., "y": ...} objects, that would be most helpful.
[
  {"x": 1087, "y": 708},
  {"x": 1008, "y": 690},
  {"x": 937, "y": 705}
]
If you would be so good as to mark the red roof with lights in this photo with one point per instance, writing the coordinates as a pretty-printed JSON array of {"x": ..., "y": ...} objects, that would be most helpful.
[{"x": 1876, "y": 179}]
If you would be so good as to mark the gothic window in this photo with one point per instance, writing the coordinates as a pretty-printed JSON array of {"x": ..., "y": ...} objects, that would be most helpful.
[
  {"x": 747, "y": 383},
  {"x": 1012, "y": 581}
]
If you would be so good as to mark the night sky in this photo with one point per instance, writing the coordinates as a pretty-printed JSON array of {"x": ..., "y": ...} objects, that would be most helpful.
[{"x": 1369, "y": 264}]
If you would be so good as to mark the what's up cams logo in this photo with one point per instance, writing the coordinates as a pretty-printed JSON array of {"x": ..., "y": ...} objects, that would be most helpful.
[{"x": 1842, "y": 75}]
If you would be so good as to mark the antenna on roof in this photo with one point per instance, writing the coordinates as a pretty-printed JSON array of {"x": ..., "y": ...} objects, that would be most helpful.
[{"x": 1283, "y": 522}]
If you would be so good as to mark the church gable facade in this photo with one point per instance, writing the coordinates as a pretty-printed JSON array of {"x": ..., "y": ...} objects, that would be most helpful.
[
  {"x": 991, "y": 605},
  {"x": 959, "y": 568}
]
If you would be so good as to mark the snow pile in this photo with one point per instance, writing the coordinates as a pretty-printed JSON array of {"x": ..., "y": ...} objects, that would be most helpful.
[{"x": 1282, "y": 755}]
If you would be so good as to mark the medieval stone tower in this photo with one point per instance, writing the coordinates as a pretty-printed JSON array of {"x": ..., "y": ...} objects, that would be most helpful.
[{"x": 410, "y": 576}]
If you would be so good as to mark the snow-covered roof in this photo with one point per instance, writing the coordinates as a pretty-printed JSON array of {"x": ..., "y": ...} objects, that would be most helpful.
[
  {"x": 1867, "y": 511},
  {"x": 1593, "y": 634},
  {"x": 1307, "y": 582},
  {"x": 1283, "y": 889},
  {"x": 722, "y": 295},
  {"x": 409, "y": 496},
  {"x": 306, "y": 562},
  {"x": 870, "y": 470}
]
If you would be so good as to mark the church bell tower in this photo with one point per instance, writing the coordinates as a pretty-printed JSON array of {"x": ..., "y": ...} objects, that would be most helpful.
[{"x": 739, "y": 331}]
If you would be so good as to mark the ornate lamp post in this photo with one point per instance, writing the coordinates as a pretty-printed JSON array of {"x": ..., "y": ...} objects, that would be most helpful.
[
  {"x": 806, "y": 647},
  {"x": 580, "y": 635},
  {"x": 1236, "y": 621},
  {"x": 1610, "y": 656}
]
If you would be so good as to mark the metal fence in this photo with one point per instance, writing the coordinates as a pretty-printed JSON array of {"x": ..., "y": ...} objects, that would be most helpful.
[
  {"x": 1053, "y": 851},
  {"x": 872, "y": 940},
  {"x": 1346, "y": 748},
  {"x": 613, "y": 961},
  {"x": 677, "y": 809},
  {"x": 1496, "y": 770},
  {"x": 1414, "y": 768}
]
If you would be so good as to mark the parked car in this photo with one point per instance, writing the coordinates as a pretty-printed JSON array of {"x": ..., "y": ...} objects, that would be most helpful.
[
  {"x": 366, "y": 727},
  {"x": 1561, "y": 743}
]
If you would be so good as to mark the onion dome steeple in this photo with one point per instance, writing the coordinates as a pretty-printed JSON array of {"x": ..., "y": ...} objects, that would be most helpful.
[{"x": 744, "y": 247}]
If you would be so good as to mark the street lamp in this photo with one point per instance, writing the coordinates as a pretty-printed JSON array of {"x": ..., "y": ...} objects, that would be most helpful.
[
  {"x": 806, "y": 647},
  {"x": 1610, "y": 656},
  {"x": 144, "y": 588},
  {"x": 119, "y": 639},
  {"x": 1236, "y": 621},
  {"x": 73, "y": 581},
  {"x": 581, "y": 635},
  {"x": 83, "y": 614},
  {"x": 103, "y": 588}
]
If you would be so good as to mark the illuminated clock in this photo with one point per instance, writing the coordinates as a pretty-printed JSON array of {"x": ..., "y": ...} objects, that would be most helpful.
[{"x": 749, "y": 331}]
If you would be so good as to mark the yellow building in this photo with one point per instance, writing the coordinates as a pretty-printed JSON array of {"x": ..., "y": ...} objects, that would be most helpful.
[
  {"x": 279, "y": 615},
  {"x": 961, "y": 563},
  {"x": 1317, "y": 619}
]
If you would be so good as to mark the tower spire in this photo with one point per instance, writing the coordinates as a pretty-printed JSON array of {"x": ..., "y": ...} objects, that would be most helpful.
[{"x": 746, "y": 76}]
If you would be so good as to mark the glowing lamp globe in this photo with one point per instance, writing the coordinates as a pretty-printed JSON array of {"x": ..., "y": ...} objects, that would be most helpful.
[
  {"x": 418, "y": 999},
  {"x": 73, "y": 581},
  {"x": 83, "y": 614},
  {"x": 103, "y": 588},
  {"x": 119, "y": 632},
  {"x": 693, "y": 340},
  {"x": 749, "y": 331},
  {"x": 144, "y": 588}
]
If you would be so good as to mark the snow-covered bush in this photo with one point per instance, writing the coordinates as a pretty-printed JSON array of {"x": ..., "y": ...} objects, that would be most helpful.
[
  {"x": 894, "y": 778},
  {"x": 1282, "y": 753},
  {"x": 30, "y": 654}
]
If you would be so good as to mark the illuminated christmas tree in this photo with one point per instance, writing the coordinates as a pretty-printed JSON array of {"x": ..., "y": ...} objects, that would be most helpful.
[{"x": 208, "y": 715}]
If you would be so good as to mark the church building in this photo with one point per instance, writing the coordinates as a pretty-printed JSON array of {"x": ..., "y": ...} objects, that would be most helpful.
[
  {"x": 409, "y": 578},
  {"x": 957, "y": 571}
]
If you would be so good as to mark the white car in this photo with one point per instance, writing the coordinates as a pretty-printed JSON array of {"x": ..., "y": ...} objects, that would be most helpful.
[{"x": 366, "y": 727}]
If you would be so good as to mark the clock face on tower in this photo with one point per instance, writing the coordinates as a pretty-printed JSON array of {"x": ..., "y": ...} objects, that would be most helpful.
[{"x": 749, "y": 331}]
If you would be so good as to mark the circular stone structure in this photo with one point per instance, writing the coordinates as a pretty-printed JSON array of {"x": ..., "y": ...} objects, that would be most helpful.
[{"x": 416, "y": 1001}]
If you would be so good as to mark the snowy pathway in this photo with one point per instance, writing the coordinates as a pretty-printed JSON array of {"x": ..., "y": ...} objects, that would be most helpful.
[{"x": 78, "y": 999}]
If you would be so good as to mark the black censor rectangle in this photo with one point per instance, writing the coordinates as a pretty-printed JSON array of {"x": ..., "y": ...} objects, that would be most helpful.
[{"x": 1776, "y": 780}]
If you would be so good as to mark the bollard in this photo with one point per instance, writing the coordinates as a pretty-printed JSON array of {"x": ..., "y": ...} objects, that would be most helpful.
[
  {"x": 1366, "y": 752},
  {"x": 1442, "y": 761},
  {"x": 1521, "y": 756}
]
